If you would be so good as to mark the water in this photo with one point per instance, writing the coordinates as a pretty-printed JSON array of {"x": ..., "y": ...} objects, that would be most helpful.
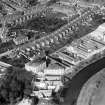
[{"x": 72, "y": 92}]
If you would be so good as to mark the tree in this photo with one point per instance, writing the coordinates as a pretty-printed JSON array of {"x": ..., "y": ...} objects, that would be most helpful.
[
  {"x": 16, "y": 84},
  {"x": 32, "y": 2}
]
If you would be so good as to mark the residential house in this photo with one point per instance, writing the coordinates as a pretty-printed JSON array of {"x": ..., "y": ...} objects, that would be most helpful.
[{"x": 20, "y": 39}]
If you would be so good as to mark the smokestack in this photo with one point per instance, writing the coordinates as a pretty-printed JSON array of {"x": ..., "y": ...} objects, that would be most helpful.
[{"x": 46, "y": 57}]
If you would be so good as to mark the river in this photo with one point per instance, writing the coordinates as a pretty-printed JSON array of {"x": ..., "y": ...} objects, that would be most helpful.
[{"x": 72, "y": 92}]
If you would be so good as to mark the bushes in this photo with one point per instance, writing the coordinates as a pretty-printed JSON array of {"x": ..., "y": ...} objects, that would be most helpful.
[
  {"x": 32, "y": 2},
  {"x": 6, "y": 46},
  {"x": 45, "y": 24},
  {"x": 15, "y": 86}
]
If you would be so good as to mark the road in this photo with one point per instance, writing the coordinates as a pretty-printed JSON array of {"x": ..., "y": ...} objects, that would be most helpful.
[
  {"x": 6, "y": 53},
  {"x": 72, "y": 92}
]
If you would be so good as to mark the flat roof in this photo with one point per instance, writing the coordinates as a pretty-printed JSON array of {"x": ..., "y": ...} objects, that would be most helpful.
[{"x": 35, "y": 63}]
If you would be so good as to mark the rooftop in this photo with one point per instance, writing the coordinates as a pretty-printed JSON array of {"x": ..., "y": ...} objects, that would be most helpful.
[
  {"x": 55, "y": 66},
  {"x": 20, "y": 38},
  {"x": 35, "y": 63}
]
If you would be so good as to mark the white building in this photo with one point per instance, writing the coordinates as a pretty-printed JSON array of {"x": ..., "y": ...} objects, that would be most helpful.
[
  {"x": 40, "y": 85},
  {"x": 99, "y": 33},
  {"x": 54, "y": 69},
  {"x": 52, "y": 77},
  {"x": 48, "y": 84},
  {"x": 42, "y": 93},
  {"x": 35, "y": 66},
  {"x": 51, "y": 87},
  {"x": 25, "y": 102},
  {"x": 37, "y": 93},
  {"x": 20, "y": 39},
  {"x": 44, "y": 86}
]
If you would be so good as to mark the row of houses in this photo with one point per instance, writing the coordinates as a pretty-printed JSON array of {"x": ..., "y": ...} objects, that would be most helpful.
[
  {"x": 53, "y": 38},
  {"x": 78, "y": 51},
  {"x": 24, "y": 18},
  {"x": 63, "y": 34},
  {"x": 84, "y": 48}
]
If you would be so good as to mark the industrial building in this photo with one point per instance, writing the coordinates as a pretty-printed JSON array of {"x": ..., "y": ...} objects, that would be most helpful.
[{"x": 35, "y": 66}]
